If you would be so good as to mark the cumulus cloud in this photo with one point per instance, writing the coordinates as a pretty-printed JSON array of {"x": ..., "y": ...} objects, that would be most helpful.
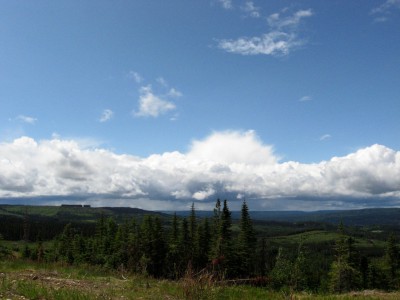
[
  {"x": 26, "y": 119},
  {"x": 156, "y": 102},
  {"x": 152, "y": 105},
  {"x": 106, "y": 115},
  {"x": 234, "y": 164},
  {"x": 233, "y": 147},
  {"x": 281, "y": 38}
]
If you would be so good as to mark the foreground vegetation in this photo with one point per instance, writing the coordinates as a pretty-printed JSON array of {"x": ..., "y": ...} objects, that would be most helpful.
[
  {"x": 193, "y": 258},
  {"x": 30, "y": 280}
]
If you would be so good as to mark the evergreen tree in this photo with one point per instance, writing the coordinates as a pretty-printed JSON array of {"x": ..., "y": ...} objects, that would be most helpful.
[
  {"x": 120, "y": 251},
  {"x": 174, "y": 230},
  {"x": 204, "y": 242},
  {"x": 392, "y": 259},
  {"x": 300, "y": 267},
  {"x": 173, "y": 255},
  {"x": 246, "y": 243},
  {"x": 281, "y": 272},
  {"x": 65, "y": 244},
  {"x": 364, "y": 266},
  {"x": 153, "y": 246},
  {"x": 184, "y": 246},
  {"x": 344, "y": 276},
  {"x": 262, "y": 264},
  {"x": 222, "y": 253},
  {"x": 193, "y": 237},
  {"x": 159, "y": 248},
  {"x": 134, "y": 247},
  {"x": 4, "y": 251}
]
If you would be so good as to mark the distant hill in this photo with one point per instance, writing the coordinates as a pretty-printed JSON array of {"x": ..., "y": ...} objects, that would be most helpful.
[
  {"x": 49, "y": 221},
  {"x": 74, "y": 213},
  {"x": 359, "y": 217}
]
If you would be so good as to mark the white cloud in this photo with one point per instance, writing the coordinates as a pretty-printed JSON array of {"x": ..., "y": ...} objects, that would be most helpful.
[
  {"x": 135, "y": 76},
  {"x": 27, "y": 119},
  {"x": 227, "y": 4},
  {"x": 251, "y": 9},
  {"x": 272, "y": 43},
  {"x": 325, "y": 137},
  {"x": 278, "y": 21},
  {"x": 152, "y": 105},
  {"x": 106, "y": 115},
  {"x": 174, "y": 93},
  {"x": 386, "y": 8},
  {"x": 204, "y": 194},
  {"x": 162, "y": 81},
  {"x": 281, "y": 39},
  {"x": 234, "y": 164},
  {"x": 305, "y": 98},
  {"x": 233, "y": 147}
]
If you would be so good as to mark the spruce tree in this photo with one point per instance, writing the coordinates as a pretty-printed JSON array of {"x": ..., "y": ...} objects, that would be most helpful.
[
  {"x": 246, "y": 243},
  {"x": 193, "y": 237},
  {"x": 204, "y": 243},
  {"x": 222, "y": 253},
  {"x": 392, "y": 259},
  {"x": 173, "y": 255}
]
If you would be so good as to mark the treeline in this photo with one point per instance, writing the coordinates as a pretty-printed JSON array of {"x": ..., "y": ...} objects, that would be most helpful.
[
  {"x": 211, "y": 245},
  {"x": 149, "y": 248},
  {"x": 32, "y": 228}
]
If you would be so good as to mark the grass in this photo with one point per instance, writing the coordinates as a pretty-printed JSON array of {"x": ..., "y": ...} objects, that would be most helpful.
[{"x": 25, "y": 280}]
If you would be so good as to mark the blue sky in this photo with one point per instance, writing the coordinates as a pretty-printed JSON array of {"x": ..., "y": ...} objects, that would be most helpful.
[{"x": 193, "y": 83}]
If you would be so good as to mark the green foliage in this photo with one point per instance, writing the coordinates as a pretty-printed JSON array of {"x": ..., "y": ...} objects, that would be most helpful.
[
  {"x": 281, "y": 274},
  {"x": 4, "y": 251},
  {"x": 226, "y": 250},
  {"x": 344, "y": 276},
  {"x": 392, "y": 261}
]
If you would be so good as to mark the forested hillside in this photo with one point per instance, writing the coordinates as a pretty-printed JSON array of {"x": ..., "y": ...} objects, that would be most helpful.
[{"x": 300, "y": 256}]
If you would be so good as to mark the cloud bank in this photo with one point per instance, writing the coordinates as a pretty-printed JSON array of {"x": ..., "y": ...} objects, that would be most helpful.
[{"x": 230, "y": 164}]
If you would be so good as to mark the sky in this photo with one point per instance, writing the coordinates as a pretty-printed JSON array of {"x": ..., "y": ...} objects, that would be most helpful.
[{"x": 290, "y": 105}]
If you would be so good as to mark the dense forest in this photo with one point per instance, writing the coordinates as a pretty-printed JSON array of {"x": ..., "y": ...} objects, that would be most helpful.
[{"x": 226, "y": 250}]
